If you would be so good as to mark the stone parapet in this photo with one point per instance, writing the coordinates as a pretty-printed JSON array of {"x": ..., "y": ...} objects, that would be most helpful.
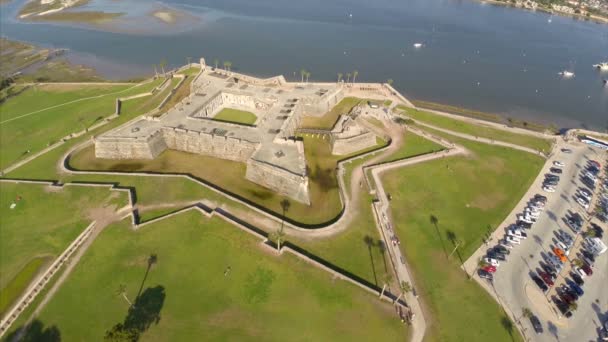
[
  {"x": 345, "y": 146},
  {"x": 280, "y": 180}
]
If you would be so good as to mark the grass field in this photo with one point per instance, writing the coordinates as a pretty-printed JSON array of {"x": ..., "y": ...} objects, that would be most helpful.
[
  {"x": 42, "y": 115},
  {"x": 185, "y": 294},
  {"x": 455, "y": 125},
  {"x": 236, "y": 116},
  {"x": 468, "y": 196},
  {"x": 41, "y": 225}
]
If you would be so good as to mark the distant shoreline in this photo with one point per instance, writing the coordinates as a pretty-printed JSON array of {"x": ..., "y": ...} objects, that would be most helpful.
[{"x": 594, "y": 18}]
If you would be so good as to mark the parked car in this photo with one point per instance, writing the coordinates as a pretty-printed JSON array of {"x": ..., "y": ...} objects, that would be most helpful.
[
  {"x": 513, "y": 240},
  {"x": 546, "y": 278},
  {"x": 539, "y": 282},
  {"x": 502, "y": 249},
  {"x": 489, "y": 268},
  {"x": 575, "y": 287},
  {"x": 560, "y": 254},
  {"x": 563, "y": 247},
  {"x": 517, "y": 233},
  {"x": 485, "y": 275},
  {"x": 492, "y": 262},
  {"x": 556, "y": 170},
  {"x": 577, "y": 278},
  {"x": 496, "y": 255},
  {"x": 566, "y": 150},
  {"x": 549, "y": 189},
  {"x": 538, "y": 328},
  {"x": 558, "y": 163},
  {"x": 587, "y": 269}
]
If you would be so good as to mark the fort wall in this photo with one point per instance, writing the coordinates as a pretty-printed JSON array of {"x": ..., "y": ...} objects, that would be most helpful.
[
  {"x": 279, "y": 180},
  {"x": 130, "y": 148},
  {"x": 348, "y": 145},
  {"x": 208, "y": 144}
]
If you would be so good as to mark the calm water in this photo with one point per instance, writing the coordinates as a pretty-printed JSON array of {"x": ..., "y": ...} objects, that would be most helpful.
[{"x": 477, "y": 56}]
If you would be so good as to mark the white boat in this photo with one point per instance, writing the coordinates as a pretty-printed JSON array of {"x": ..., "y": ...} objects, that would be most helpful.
[
  {"x": 418, "y": 45},
  {"x": 566, "y": 73},
  {"x": 602, "y": 66}
]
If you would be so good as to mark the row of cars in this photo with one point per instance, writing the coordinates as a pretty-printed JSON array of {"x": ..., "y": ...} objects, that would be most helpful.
[
  {"x": 589, "y": 176},
  {"x": 552, "y": 178},
  {"x": 514, "y": 234},
  {"x": 601, "y": 209}
]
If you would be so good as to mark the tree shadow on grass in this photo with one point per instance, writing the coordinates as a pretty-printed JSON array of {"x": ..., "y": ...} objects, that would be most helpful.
[
  {"x": 507, "y": 325},
  {"x": 369, "y": 242},
  {"x": 35, "y": 332},
  {"x": 141, "y": 315}
]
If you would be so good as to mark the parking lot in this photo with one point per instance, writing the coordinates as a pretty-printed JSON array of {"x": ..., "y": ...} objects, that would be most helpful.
[{"x": 543, "y": 267}]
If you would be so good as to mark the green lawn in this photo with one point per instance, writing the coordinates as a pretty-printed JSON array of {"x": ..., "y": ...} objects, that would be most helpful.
[
  {"x": 483, "y": 131},
  {"x": 186, "y": 294},
  {"x": 40, "y": 227},
  {"x": 50, "y": 116},
  {"x": 468, "y": 196},
  {"x": 236, "y": 116}
]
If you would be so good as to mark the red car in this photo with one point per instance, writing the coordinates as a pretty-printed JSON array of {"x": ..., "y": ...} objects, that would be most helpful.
[
  {"x": 596, "y": 164},
  {"x": 489, "y": 268},
  {"x": 587, "y": 269},
  {"x": 546, "y": 278}
]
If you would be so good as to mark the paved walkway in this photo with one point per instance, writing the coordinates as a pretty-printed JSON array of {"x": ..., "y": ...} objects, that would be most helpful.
[{"x": 481, "y": 139}]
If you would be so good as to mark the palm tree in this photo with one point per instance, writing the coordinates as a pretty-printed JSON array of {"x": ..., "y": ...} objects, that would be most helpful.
[
  {"x": 339, "y": 77},
  {"x": 389, "y": 81},
  {"x": 163, "y": 63},
  {"x": 122, "y": 290},
  {"x": 572, "y": 306},
  {"x": 303, "y": 73},
  {"x": 526, "y": 313},
  {"x": 216, "y": 62},
  {"x": 189, "y": 60},
  {"x": 155, "y": 71},
  {"x": 227, "y": 65},
  {"x": 347, "y": 77},
  {"x": 405, "y": 288},
  {"x": 355, "y": 74},
  {"x": 307, "y": 76},
  {"x": 279, "y": 237}
]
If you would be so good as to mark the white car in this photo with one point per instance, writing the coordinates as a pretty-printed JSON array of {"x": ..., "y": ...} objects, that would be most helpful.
[
  {"x": 580, "y": 272},
  {"x": 526, "y": 218},
  {"x": 563, "y": 247},
  {"x": 534, "y": 214},
  {"x": 583, "y": 202},
  {"x": 517, "y": 233},
  {"x": 558, "y": 163},
  {"x": 492, "y": 262},
  {"x": 549, "y": 188},
  {"x": 512, "y": 239}
]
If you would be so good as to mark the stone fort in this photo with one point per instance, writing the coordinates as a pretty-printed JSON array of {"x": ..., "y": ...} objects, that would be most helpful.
[{"x": 274, "y": 158}]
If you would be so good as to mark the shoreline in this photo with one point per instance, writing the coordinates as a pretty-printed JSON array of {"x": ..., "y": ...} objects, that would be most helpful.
[{"x": 593, "y": 18}]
